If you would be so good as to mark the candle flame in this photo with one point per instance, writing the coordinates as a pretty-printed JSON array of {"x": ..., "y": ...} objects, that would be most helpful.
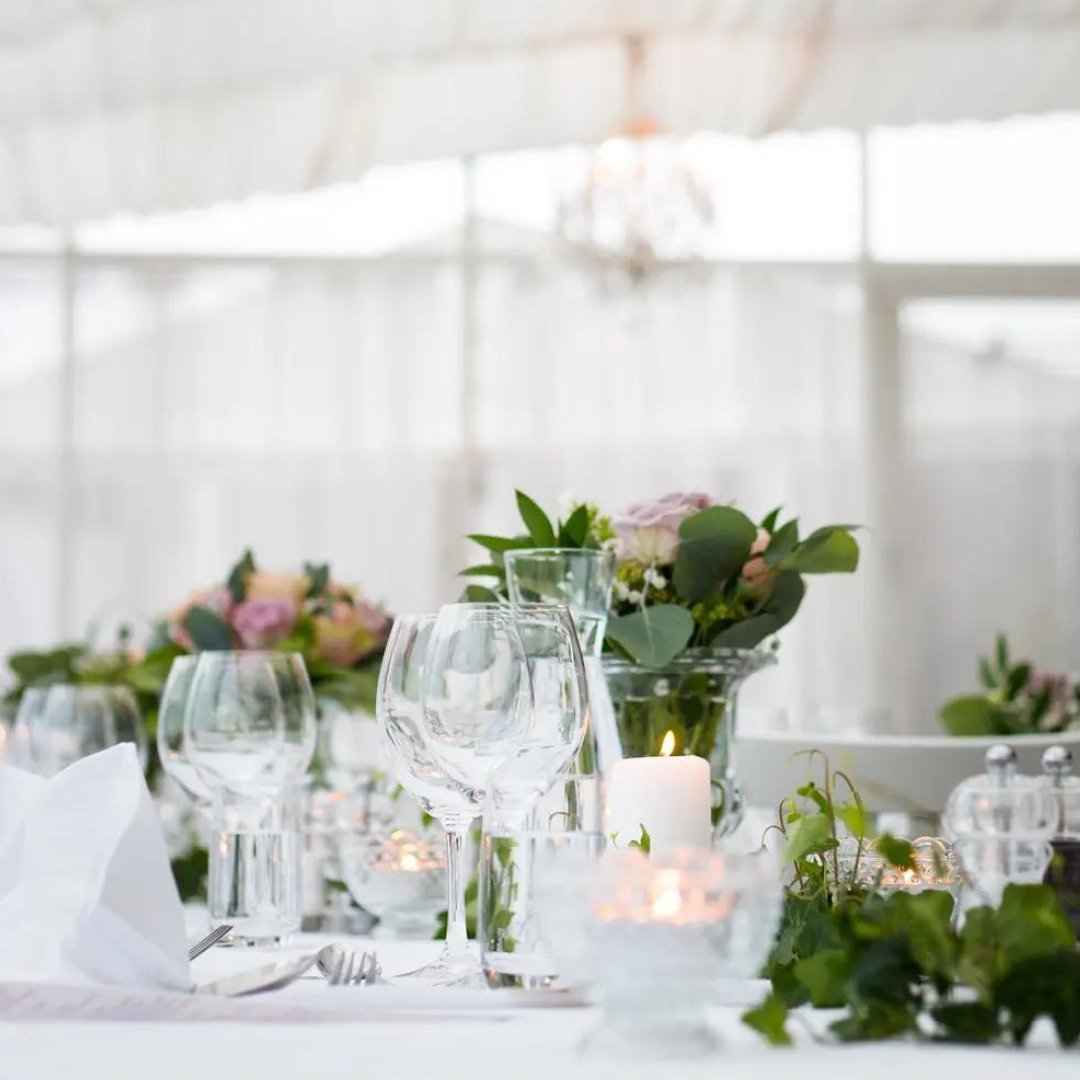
[
  {"x": 668, "y": 745},
  {"x": 410, "y": 862},
  {"x": 667, "y": 904}
]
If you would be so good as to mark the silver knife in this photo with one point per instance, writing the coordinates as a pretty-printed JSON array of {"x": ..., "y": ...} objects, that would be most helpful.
[{"x": 270, "y": 977}]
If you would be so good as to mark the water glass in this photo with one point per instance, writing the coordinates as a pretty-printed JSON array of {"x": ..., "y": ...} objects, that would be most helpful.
[
  {"x": 74, "y": 721},
  {"x": 579, "y": 579},
  {"x": 256, "y": 857},
  {"x": 534, "y": 873}
]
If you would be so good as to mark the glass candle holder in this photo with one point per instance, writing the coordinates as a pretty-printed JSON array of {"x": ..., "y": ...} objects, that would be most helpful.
[
  {"x": 400, "y": 877},
  {"x": 666, "y": 933},
  {"x": 934, "y": 866}
]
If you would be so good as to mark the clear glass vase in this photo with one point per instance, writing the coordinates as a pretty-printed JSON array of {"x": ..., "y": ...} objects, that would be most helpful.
[{"x": 696, "y": 698}]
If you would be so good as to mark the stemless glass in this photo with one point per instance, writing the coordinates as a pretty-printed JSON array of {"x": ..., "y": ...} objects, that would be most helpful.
[
  {"x": 249, "y": 732},
  {"x": 533, "y": 875},
  {"x": 399, "y": 713},
  {"x": 170, "y": 733},
  {"x": 581, "y": 580},
  {"x": 74, "y": 721}
]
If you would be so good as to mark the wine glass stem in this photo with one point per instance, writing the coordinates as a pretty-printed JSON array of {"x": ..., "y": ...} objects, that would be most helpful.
[{"x": 457, "y": 935}]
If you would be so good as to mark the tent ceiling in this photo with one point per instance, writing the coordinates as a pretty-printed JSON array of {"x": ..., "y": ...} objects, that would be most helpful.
[{"x": 108, "y": 105}]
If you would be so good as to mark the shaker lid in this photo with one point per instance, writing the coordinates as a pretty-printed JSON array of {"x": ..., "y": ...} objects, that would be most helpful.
[
  {"x": 1057, "y": 764},
  {"x": 1002, "y": 802}
]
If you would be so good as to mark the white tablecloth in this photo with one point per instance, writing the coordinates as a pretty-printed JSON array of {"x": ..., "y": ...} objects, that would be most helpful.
[{"x": 532, "y": 1044}]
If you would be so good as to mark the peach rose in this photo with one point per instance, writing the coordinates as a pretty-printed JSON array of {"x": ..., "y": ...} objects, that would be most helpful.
[
  {"x": 276, "y": 585},
  {"x": 349, "y": 633},
  {"x": 756, "y": 571}
]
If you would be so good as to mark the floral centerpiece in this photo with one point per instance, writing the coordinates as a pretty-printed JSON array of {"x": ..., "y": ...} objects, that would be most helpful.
[
  {"x": 340, "y": 634},
  {"x": 699, "y": 587},
  {"x": 1016, "y": 699}
]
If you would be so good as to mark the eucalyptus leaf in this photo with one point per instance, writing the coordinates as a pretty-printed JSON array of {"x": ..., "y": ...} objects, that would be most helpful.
[
  {"x": 812, "y": 835},
  {"x": 829, "y": 550},
  {"x": 782, "y": 543},
  {"x": 236, "y": 582},
  {"x": 769, "y": 1019},
  {"x": 714, "y": 544},
  {"x": 654, "y": 636},
  {"x": 208, "y": 631}
]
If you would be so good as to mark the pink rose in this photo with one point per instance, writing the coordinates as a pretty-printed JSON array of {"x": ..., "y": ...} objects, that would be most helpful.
[
  {"x": 259, "y": 623},
  {"x": 649, "y": 532},
  {"x": 756, "y": 571}
]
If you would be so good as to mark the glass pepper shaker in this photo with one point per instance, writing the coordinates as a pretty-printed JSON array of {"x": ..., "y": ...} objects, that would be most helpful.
[{"x": 1063, "y": 873}]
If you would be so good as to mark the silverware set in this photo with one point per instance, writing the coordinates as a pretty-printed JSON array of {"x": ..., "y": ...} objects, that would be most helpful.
[
  {"x": 346, "y": 967},
  {"x": 212, "y": 938}
]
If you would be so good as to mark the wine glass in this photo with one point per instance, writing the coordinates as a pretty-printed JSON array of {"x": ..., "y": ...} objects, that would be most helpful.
[
  {"x": 249, "y": 720},
  {"x": 399, "y": 714},
  {"x": 170, "y": 733},
  {"x": 30, "y": 705},
  {"x": 558, "y": 719},
  {"x": 74, "y": 721}
]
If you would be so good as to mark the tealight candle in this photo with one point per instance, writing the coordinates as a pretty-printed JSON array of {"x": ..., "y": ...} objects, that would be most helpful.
[{"x": 670, "y": 797}]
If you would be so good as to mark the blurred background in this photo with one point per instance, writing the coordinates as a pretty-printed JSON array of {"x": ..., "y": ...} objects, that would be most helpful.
[{"x": 330, "y": 279}]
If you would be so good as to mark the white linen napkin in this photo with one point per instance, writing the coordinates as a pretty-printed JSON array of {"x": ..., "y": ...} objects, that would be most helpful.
[{"x": 86, "y": 893}]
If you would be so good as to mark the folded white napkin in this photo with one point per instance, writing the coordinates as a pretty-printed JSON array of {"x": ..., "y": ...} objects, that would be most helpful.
[{"x": 86, "y": 893}]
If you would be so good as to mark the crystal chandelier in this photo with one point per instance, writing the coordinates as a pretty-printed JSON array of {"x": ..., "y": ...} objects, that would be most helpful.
[{"x": 646, "y": 200}]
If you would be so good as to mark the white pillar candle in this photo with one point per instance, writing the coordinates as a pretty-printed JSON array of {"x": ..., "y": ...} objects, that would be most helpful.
[{"x": 671, "y": 797}]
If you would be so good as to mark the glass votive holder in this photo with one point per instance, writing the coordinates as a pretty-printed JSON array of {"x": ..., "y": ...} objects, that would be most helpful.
[
  {"x": 400, "y": 877},
  {"x": 667, "y": 933},
  {"x": 934, "y": 865}
]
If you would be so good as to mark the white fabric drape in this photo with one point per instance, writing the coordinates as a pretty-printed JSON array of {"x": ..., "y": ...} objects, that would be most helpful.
[{"x": 149, "y": 104}]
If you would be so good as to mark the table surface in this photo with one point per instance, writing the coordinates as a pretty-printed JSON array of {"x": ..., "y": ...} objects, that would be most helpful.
[{"x": 523, "y": 1044}]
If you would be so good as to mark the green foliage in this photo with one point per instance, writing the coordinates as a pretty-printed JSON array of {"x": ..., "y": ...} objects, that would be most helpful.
[
  {"x": 643, "y": 843},
  {"x": 208, "y": 631},
  {"x": 236, "y": 580},
  {"x": 190, "y": 873},
  {"x": 652, "y": 637},
  {"x": 1015, "y": 700},
  {"x": 723, "y": 603},
  {"x": 895, "y": 962}
]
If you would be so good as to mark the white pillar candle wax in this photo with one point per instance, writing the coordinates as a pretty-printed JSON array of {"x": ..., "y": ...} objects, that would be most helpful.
[{"x": 671, "y": 797}]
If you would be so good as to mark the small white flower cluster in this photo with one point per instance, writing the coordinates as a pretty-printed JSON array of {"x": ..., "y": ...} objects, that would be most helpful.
[{"x": 654, "y": 578}]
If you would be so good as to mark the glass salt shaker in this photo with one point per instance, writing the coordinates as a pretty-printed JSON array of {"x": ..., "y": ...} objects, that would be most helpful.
[{"x": 1001, "y": 823}]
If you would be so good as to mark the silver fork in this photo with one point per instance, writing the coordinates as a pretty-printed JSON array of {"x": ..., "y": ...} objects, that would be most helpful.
[
  {"x": 212, "y": 938},
  {"x": 354, "y": 969}
]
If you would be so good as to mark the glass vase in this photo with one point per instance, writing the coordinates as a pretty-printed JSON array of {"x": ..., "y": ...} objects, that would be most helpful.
[{"x": 695, "y": 697}]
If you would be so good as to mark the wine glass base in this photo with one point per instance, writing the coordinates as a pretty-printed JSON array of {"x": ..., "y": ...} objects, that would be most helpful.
[{"x": 461, "y": 972}]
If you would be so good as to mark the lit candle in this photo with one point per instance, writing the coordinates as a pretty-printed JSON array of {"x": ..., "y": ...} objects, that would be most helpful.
[{"x": 670, "y": 797}]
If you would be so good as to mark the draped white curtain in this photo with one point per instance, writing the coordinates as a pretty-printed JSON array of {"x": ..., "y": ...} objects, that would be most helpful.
[{"x": 322, "y": 409}]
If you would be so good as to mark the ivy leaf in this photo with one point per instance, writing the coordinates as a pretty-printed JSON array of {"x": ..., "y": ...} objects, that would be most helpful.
[
  {"x": 828, "y": 550},
  {"x": 898, "y": 853},
  {"x": 208, "y": 631},
  {"x": 812, "y": 835},
  {"x": 713, "y": 546},
  {"x": 770, "y": 1020},
  {"x": 966, "y": 1022},
  {"x": 575, "y": 529},
  {"x": 536, "y": 521},
  {"x": 855, "y": 818},
  {"x": 236, "y": 582},
  {"x": 1043, "y": 986},
  {"x": 825, "y": 975},
  {"x": 1031, "y": 923},
  {"x": 652, "y": 637}
]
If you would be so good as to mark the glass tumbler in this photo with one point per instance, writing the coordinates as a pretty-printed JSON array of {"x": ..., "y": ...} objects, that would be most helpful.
[
  {"x": 256, "y": 860},
  {"x": 529, "y": 864}
]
